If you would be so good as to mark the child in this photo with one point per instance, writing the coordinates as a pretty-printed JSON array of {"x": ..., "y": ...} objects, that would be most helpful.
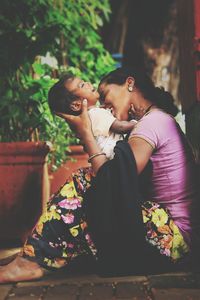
[{"x": 66, "y": 96}]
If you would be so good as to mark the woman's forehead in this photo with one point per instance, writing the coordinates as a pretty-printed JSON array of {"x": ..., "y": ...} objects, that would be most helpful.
[{"x": 103, "y": 88}]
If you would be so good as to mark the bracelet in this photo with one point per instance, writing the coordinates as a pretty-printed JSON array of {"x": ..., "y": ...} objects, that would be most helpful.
[{"x": 94, "y": 155}]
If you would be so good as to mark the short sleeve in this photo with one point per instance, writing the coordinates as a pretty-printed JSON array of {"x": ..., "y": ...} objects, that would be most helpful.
[
  {"x": 101, "y": 120},
  {"x": 150, "y": 128}
]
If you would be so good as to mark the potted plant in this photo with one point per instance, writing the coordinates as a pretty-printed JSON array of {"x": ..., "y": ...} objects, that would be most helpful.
[{"x": 23, "y": 187}]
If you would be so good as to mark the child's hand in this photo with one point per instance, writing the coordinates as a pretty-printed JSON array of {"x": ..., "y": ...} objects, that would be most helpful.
[{"x": 136, "y": 112}]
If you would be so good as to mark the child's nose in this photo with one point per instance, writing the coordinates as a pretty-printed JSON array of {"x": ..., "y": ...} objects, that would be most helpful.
[{"x": 89, "y": 85}]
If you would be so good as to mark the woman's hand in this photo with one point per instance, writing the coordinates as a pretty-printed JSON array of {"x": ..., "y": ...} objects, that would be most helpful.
[{"x": 81, "y": 124}]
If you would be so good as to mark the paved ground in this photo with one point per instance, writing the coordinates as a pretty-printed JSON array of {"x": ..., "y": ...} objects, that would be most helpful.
[{"x": 84, "y": 285}]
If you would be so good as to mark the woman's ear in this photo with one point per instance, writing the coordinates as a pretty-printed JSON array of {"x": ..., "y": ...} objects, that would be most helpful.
[
  {"x": 130, "y": 83},
  {"x": 76, "y": 105}
]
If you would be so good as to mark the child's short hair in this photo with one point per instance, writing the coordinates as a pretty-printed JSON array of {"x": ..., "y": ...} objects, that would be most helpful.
[{"x": 59, "y": 98}]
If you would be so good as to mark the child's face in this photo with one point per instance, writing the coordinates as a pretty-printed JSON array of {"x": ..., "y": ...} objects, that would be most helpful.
[{"x": 83, "y": 90}]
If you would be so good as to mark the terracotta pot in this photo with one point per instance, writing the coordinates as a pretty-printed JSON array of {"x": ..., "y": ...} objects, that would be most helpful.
[
  {"x": 23, "y": 187},
  {"x": 78, "y": 159}
]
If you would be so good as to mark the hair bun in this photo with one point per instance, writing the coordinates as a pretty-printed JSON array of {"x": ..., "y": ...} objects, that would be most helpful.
[{"x": 165, "y": 101}]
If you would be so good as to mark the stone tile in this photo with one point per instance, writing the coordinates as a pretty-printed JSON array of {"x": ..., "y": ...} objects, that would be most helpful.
[
  {"x": 131, "y": 290},
  {"x": 196, "y": 277},
  {"x": 62, "y": 292},
  {"x": 174, "y": 280},
  {"x": 4, "y": 291},
  {"x": 176, "y": 294},
  {"x": 61, "y": 279},
  {"x": 96, "y": 291},
  {"x": 26, "y": 293}
]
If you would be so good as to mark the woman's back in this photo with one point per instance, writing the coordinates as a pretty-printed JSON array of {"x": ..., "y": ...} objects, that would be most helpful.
[{"x": 173, "y": 177}]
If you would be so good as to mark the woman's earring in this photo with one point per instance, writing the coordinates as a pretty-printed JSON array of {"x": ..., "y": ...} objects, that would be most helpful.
[
  {"x": 130, "y": 111},
  {"x": 130, "y": 88}
]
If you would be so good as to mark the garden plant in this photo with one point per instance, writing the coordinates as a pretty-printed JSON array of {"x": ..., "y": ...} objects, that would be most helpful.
[{"x": 33, "y": 35}]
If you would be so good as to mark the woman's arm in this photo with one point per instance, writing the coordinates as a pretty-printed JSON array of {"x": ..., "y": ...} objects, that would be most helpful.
[
  {"x": 81, "y": 124},
  {"x": 92, "y": 148},
  {"x": 142, "y": 151}
]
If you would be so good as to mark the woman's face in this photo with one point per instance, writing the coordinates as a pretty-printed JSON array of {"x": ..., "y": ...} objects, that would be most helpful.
[
  {"x": 83, "y": 90},
  {"x": 117, "y": 98}
]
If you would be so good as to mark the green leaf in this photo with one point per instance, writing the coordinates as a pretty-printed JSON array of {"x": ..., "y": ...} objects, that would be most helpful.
[{"x": 38, "y": 68}]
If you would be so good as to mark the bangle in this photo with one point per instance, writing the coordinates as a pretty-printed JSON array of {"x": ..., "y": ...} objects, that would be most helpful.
[{"x": 95, "y": 155}]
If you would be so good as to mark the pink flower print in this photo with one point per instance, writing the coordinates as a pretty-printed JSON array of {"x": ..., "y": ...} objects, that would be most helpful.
[
  {"x": 166, "y": 252},
  {"x": 88, "y": 238},
  {"x": 70, "y": 204},
  {"x": 70, "y": 245},
  {"x": 35, "y": 236},
  {"x": 64, "y": 244},
  {"x": 151, "y": 233},
  {"x": 68, "y": 219},
  {"x": 51, "y": 244}
]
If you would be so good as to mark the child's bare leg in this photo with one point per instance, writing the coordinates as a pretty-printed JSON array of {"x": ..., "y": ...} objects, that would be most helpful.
[{"x": 20, "y": 269}]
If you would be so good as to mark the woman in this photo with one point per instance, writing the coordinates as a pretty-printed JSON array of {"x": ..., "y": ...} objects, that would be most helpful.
[
  {"x": 166, "y": 223},
  {"x": 161, "y": 140}
]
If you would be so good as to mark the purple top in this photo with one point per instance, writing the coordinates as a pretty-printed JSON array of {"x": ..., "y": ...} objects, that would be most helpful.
[{"x": 173, "y": 165}]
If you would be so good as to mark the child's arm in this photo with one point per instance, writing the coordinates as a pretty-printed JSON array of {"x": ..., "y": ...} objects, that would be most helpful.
[{"x": 122, "y": 126}]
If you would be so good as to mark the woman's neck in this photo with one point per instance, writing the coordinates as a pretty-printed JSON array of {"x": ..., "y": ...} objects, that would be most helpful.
[
  {"x": 149, "y": 108},
  {"x": 142, "y": 106}
]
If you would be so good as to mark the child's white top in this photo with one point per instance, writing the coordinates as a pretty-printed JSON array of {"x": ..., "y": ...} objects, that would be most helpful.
[{"x": 101, "y": 120}]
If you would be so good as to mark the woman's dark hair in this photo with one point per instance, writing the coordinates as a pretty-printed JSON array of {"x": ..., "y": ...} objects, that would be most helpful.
[
  {"x": 59, "y": 98},
  {"x": 143, "y": 82}
]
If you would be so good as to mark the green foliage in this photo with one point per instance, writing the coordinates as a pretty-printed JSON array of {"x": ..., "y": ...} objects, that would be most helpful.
[{"x": 68, "y": 30}]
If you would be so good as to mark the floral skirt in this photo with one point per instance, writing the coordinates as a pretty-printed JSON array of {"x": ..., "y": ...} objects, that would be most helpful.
[{"x": 62, "y": 234}]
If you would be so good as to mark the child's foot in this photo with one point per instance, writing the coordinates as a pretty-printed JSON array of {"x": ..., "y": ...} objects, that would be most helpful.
[{"x": 20, "y": 269}]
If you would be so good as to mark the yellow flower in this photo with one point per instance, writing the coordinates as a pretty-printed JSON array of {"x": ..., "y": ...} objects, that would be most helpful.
[
  {"x": 39, "y": 227},
  {"x": 49, "y": 215},
  {"x": 64, "y": 254},
  {"x": 177, "y": 240},
  {"x": 179, "y": 246},
  {"x": 29, "y": 250},
  {"x": 159, "y": 217},
  {"x": 74, "y": 230},
  {"x": 55, "y": 263},
  {"x": 48, "y": 262},
  {"x": 68, "y": 190},
  {"x": 145, "y": 218},
  {"x": 174, "y": 227}
]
